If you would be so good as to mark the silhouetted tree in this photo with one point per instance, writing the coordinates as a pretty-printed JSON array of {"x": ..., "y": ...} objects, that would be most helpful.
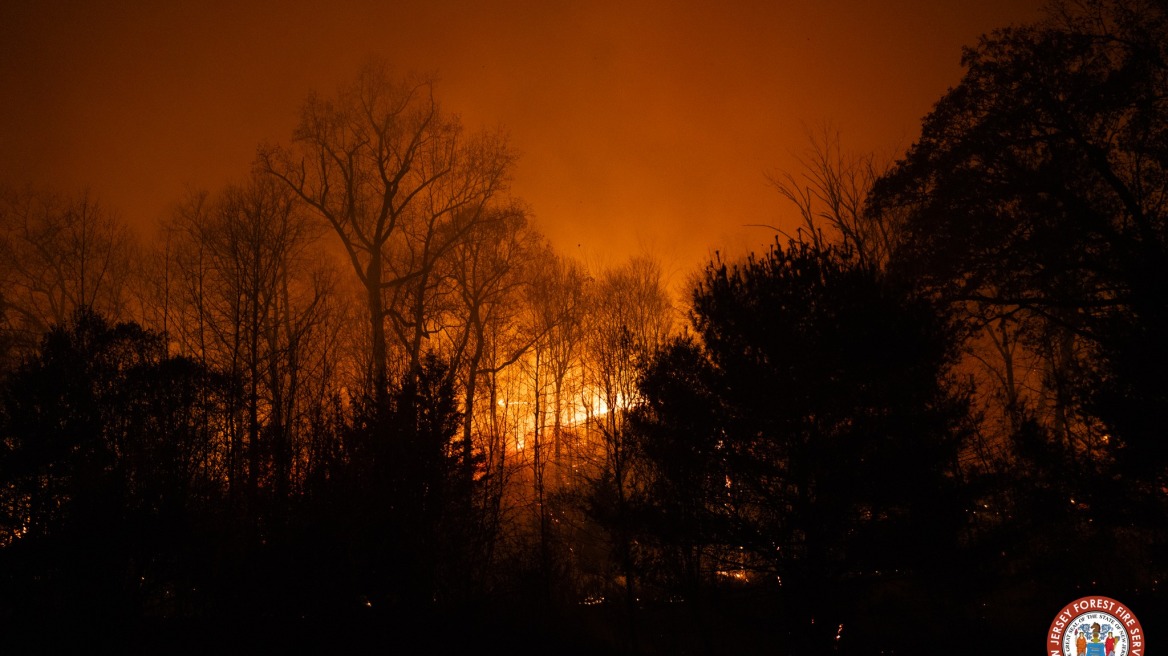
[
  {"x": 810, "y": 425},
  {"x": 400, "y": 182},
  {"x": 631, "y": 316},
  {"x": 108, "y": 474},
  {"x": 831, "y": 194},
  {"x": 247, "y": 295},
  {"x": 488, "y": 270},
  {"x": 406, "y": 497},
  {"x": 553, "y": 313},
  {"x": 1034, "y": 199},
  {"x": 57, "y": 255}
]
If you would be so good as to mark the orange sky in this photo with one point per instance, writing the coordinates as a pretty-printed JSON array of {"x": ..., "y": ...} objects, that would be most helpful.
[{"x": 642, "y": 125}]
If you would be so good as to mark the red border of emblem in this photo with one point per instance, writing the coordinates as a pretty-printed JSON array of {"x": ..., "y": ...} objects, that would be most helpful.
[{"x": 1097, "y": 603}]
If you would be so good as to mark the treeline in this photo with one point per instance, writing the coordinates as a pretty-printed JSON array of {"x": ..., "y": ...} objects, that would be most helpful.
[
  {"x": 355, "y": 386},
  {"x": 357, "y": 394}
]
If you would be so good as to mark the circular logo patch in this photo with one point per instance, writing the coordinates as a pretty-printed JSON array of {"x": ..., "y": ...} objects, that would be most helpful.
[{"x": 1095, "y": 626}]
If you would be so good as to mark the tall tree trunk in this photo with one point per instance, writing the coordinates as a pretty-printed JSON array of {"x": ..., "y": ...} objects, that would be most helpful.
[{"x": 379, "y": 366}]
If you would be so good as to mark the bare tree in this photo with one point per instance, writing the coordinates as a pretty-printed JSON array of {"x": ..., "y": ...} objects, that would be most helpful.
[
  {"x": 631, "y": 317},
  {"x": 250, "y": 298},
  {"x": 399, "y": 182},
  {"x": 59, "y": 254},
  {"x": 487, "y": 269},
  {"x": 562, "y": 304},
  {"x": 831, "y": 192},
  {"x": 556, "y": 306}
]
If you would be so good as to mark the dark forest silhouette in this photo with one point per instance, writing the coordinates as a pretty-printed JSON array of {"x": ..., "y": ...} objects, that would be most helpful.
[{"x": 357, "y": 400}]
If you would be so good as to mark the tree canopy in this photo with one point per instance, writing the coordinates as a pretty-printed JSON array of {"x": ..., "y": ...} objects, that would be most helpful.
[
  {"x": 1033, "y": 205},
  {"x": 1036, "y": 196},
  {"x": 808, "y": 422}
]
